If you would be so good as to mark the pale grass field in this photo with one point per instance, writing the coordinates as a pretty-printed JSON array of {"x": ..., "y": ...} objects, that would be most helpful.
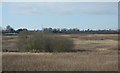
[
  {"x": 59, "y": 62},
  {"x": 100, "y": 54}
]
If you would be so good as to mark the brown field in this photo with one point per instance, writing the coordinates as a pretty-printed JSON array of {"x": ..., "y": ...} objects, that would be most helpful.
[{"x": 95, "y": 52}]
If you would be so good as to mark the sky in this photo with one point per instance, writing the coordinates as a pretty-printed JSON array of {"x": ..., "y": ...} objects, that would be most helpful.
[{"x": 81, "y": 15}]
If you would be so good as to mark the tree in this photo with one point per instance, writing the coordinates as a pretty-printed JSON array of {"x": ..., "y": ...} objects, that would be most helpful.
[
  {"x": 20, "y": 30},
  {"x": 9, "y": 29}
]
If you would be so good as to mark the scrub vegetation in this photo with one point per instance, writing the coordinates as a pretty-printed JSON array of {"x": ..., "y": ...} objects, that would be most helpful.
[{"x": 43, "y": 42}]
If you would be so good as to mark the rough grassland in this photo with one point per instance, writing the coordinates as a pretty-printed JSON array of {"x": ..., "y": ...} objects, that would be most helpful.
[
  {"x": 94, "y": 52},
  {"x": 58, "y": 62}
]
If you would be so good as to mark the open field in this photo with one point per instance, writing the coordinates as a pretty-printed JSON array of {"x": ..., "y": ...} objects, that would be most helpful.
[
  {"x": 59, "y": 62},
  {"x": 91, "y": 42},
  {"x": 94, "y": 52}
]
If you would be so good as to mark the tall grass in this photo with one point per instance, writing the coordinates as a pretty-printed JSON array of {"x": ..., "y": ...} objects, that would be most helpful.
[{"x": 43, "y": 42}]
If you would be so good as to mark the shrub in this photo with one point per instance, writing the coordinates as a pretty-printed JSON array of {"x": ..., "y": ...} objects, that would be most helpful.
[
  {"x": 23, "y": 41},
  {"x": 44, "y": 42}
]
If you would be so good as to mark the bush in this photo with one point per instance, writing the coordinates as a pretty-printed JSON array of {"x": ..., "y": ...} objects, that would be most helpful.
[
  {"x": 23, "y": 41},
  {"x": 44, "y": 42}
]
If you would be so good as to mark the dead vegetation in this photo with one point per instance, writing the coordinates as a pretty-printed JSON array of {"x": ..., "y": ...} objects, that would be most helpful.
[
  {"x": 59, "y": 62},
  {"x": 92, "y": 52}
]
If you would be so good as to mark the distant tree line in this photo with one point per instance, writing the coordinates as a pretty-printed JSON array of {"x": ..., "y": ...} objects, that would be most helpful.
[
  {"x": 76, "y": 30},
  {"x": 9, "y": 29}
]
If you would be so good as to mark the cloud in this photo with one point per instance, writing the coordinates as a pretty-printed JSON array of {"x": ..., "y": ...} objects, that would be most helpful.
[{"x": 67, "y": 8}]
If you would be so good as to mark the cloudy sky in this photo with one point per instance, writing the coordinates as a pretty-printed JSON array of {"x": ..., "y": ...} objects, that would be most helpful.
[{"x": 82, "y": 15}]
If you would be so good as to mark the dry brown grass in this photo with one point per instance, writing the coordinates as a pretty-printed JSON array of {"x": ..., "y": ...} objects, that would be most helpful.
[
  {"x": 9, "y": 43},
  {"x": 59, "y": 62},
  {"x": 101, "y": 54},
  {"x": 95, "y": 42}
]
